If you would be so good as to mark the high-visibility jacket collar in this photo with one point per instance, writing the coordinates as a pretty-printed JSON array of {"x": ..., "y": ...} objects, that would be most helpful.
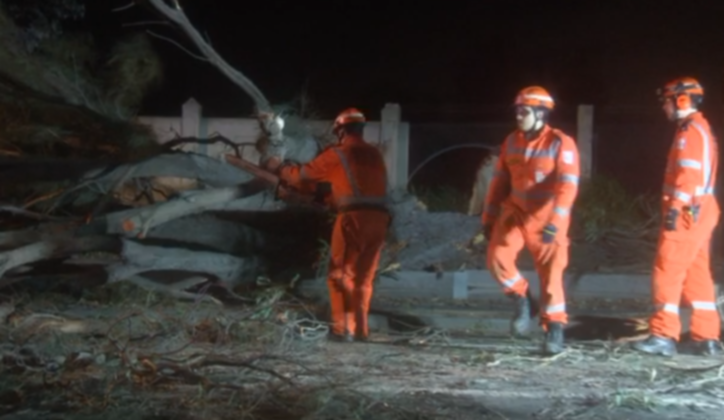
[
  {"x": 351, "y": 138},
  {"x": 533, "y": 136},
  {"x": 695, "y": 116}
]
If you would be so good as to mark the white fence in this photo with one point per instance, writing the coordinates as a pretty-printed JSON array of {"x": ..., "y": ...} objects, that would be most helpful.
[{"x": 389, "y": 133}]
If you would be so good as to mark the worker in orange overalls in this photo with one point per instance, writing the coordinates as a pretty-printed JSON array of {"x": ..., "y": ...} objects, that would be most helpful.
[
  {"x": 682, "y": 268},
  {"x": 358, "y": 177},
  {"x": 528, "y": 204}
]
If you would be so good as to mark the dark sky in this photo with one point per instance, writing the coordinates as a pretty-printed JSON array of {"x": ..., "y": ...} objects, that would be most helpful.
[{"x": 455, "y": 60}]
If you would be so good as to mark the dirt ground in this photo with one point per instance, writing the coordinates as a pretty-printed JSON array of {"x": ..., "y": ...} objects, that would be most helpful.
[{"x": 147, "y": 357}]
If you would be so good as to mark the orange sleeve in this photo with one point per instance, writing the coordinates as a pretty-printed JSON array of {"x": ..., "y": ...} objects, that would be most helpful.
[
  {"x": 685, "y": 167},
  {"x": 317, "y": 170},
  {"x": 499, "y": 188},
  {"x": 568, "y": 171}
]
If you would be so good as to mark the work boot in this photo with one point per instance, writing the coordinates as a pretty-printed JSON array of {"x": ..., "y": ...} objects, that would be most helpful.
[
  {"x": 520, "y": 324},
  {"x": 661, "y": 346},
  {"x": 553, "y": 343},
  {"x": 706, "y": 348},
  {"x": 341, "y": 338}
]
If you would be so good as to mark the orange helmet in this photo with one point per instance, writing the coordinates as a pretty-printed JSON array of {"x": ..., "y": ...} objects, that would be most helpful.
[
  {"x": 681, "y": 86},
  {"x": 535, "y": 96},
  {"x": 348, "y": 116}
]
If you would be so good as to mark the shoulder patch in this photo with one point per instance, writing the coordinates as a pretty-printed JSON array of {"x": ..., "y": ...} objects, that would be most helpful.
[
  {"x": 681, "y": 143},
  {"x": 567, "y": 157}
]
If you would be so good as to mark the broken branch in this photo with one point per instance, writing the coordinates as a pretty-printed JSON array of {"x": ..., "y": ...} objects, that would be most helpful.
[{"x": 177, "y": 16}]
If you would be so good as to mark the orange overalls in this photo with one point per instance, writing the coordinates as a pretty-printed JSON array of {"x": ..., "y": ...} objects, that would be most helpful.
[
  {"x": 682, "y": 268},
  {"x": 535, "y": 184},
  {"x": 356, "y": 170}
]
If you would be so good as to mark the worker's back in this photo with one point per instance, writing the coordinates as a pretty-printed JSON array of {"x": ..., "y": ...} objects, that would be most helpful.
[{"x": 361, "y": 177}]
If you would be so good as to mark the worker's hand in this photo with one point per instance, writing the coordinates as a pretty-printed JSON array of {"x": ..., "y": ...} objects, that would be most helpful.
[
  {"x": 272, "y": 164},
  {"x": 670, "y": 219},
  {"x": 549, "y": 233},
  {"x": 689, "y": 216}
]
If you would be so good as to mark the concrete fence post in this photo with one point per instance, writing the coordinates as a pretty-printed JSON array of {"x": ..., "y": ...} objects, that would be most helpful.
[
  {"x": 584, "y": 139},
  {"x": 190, "y": 122},
  {"x": 394, "y": 141}
]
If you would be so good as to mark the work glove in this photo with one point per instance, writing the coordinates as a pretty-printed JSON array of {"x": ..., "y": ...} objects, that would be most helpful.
[
  {"x": 549, "y": 233},
  {"x": 692, "y": 213},
  {"x": 670, "y": 219},
  {"x": 272, "y": 164}
]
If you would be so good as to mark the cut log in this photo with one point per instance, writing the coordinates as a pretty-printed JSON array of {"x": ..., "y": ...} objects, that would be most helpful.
[
  {"x": 139, "y": 258},
  {"x": 55, "y": 248},
  {"x": 209, "y": 171},
  {"x": 204, "y": 232},
  {"x": 138, "y": 221},
  {"x": 15, "y": 238},
  {"x": 103, "y": 174},
  {"x": 136, "y": 259},
  {"x": 208, "y": 232}
]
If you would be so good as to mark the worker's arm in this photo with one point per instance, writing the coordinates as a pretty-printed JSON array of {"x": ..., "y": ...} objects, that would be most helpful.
[
  {"x": 568, "y": 170},
  {"x": 685, "y": 162},
  {"x": 498, "y": 190},
  {"x": 305, "y": 177}
]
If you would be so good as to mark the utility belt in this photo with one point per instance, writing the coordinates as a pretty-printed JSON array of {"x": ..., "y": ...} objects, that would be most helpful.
[{"x": 366, "y": 207}]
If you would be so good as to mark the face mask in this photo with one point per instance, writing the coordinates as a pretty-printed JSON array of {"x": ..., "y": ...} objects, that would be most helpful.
[
  {"x": 528, "y": 119},
  {"x": 674, "y": 114}
]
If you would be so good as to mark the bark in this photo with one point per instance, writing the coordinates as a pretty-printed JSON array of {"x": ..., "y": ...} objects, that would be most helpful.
[
  {"x": 50, "y": 248},
  {"x": 208, "y": 232},
  {"x": 136, "y": 258},
  {"x": 98, "y": 178},
  {"x": 209, "y": 171},
  {"x": 15, "y": 238},
  {"x": 138, "y": 221},
  {"x": 199, "y": 231},
  {"x": 139, "y": 258}
]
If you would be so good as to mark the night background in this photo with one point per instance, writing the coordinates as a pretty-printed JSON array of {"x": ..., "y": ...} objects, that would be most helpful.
[
  {"x": 146, "y": 273},
  {"x": 458, "y": 64},
  {"x": 461, "y": 62}
]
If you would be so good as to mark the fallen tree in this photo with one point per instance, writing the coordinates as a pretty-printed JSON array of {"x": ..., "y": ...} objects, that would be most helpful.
[
  {"x": 100, "y": 190},
  {"x": 151, "y": 206},
  {"x": 83, "y": 180}
]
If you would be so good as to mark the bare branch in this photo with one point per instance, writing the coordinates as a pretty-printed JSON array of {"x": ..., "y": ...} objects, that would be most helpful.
[
  {"x": 122, "y": 8},
  {"x": 177, "y": 16},
  {"x": 217, "y": 138},
  {"x": 184, "y": 49},
  {"x": 146, "y": 22},
  {"x": 26, "y": 213}
]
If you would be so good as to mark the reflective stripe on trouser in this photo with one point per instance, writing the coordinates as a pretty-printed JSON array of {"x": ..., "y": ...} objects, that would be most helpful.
[
  {"x": 681, "y": 270},
  {"x": 357, "y": 241},
  {"x": 509, "y": 238}
]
